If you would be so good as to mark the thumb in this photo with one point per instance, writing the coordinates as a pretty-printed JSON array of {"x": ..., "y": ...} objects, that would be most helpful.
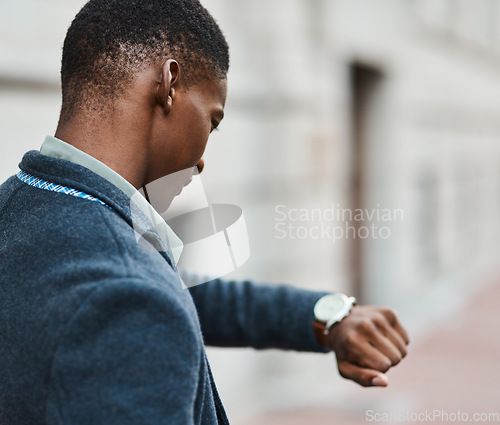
[{"x": 363, "y": 376}]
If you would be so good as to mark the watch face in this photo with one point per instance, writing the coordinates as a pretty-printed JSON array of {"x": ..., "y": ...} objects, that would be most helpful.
[{"x": 329, "y": 307}]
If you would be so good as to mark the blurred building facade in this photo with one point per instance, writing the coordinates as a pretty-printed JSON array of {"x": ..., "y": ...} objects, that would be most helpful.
[{"x": 361, "y": 139}]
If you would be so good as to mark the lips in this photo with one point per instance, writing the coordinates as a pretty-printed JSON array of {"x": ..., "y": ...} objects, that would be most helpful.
[{"x": 187, "y": 181}]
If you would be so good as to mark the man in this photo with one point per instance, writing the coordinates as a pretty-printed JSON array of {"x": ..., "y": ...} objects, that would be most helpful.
[{"x": 97, "y": 330}]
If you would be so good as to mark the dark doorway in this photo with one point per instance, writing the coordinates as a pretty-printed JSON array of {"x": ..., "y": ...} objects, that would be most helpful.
[{"x": 365, "y": 83}]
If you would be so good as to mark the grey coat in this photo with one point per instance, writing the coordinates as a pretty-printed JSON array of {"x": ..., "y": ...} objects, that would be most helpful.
[{"x": 95, "y": 330}]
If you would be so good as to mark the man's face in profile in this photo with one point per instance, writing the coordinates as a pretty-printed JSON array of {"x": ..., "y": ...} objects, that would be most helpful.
[{"x": 196, "y": 111}]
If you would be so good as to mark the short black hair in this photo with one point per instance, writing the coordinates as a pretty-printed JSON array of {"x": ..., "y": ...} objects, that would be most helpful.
[{"x": 110, "y": 40}]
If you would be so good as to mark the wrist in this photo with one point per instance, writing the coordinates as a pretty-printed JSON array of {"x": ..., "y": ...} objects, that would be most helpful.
[
  {"x": 321, "y": 337},
  {"x": 329, "y": 311}
]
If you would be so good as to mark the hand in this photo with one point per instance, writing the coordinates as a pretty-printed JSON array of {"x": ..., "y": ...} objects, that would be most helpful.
[{"x": 367, "y": 343}]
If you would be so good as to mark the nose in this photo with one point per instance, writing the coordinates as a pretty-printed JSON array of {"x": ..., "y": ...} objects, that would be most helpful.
[{"x": 200, "y": 165}]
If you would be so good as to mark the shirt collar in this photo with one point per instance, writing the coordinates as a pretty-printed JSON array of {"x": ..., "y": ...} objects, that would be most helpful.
[{"x": 56, "y": 148}]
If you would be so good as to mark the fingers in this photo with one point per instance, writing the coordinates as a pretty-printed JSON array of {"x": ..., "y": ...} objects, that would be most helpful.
[
  {"x": 387, "y": 347},
  {"x": 366, "y": 355},
  {"x": 373, "y": 349},
  {"x": 394, "y": 323},
  {"x": 396, "y": 341},
  {"x": 367, "y": 343},
  {"x": 363, "y": 376},
  {"x": 371, "y": 338},
  {"x": 402, "y": 332}
]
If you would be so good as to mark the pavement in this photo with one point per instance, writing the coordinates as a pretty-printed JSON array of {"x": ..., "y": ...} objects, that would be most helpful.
[{"x": 450, "y": 376}]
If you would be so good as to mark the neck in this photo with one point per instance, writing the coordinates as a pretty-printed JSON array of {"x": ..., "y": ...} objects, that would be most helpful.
[{"x": 111, "y": 140}]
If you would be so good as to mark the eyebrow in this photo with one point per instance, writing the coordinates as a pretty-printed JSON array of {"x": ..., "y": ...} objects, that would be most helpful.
[
  {"x": 217, "y": 115},
  {"x": 220, "y": 113}
]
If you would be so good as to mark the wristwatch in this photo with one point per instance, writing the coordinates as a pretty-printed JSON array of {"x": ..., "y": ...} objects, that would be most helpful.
[{"x": 331, "y": 309}]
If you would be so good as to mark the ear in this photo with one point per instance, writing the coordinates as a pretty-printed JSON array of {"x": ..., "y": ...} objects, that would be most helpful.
[{"x": 169, "y": 81}]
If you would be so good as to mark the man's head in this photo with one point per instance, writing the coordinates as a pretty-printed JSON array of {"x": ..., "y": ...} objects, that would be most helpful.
[
  {"x": 109, "y": 41},
  {"x": 144, "y": 84}
]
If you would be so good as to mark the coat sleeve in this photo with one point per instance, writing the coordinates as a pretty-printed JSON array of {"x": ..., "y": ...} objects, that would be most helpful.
[
  {"x": 129, "y": 355},
  {"x": 247, "y": 314}
]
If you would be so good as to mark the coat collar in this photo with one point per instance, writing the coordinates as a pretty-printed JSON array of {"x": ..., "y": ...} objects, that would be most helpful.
[{"x": 77, "y": 177}]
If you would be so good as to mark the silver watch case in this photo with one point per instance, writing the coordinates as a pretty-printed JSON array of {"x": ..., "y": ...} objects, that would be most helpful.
[{"x": 332, "y": 308}]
